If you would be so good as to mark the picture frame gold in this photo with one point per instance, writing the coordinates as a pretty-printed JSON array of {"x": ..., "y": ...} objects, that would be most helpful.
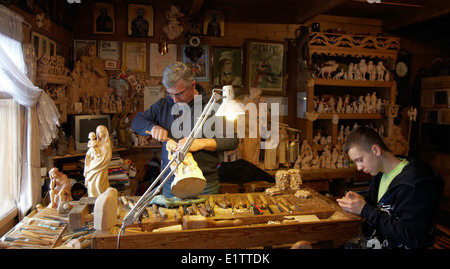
[
  {"x": 266, "y": 66},
  {"x": 104, "y": 21},
  {"x": 135, "y": 56}
]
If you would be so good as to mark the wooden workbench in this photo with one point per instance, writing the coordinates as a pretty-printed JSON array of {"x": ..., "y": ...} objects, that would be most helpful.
[{"x": 263, "y": 230}]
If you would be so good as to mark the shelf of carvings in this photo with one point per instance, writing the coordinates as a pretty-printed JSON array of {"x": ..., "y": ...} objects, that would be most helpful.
[{"x": 333, "y": 44}]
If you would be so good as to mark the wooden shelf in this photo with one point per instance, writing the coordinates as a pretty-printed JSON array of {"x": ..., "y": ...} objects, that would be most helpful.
[
  {"x": 351, "y": 116},
  {"x": 352, "y": 83},
  {"x": 81, "y": 154}
]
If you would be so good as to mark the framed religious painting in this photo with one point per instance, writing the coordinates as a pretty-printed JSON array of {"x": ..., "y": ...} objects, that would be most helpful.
[
  {"x": 104, "y": 18},
  {"x": 266, "y": 64},
  {"x": 227, "y": 66},
  {"x": 214, "y": 24},
  {"x": 141, "y": 20}
]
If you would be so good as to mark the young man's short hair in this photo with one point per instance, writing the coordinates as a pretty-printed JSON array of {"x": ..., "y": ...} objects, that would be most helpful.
[{"x": 364, "y": 138}]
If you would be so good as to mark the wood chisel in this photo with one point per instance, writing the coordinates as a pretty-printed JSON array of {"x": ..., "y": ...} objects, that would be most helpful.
[
  {"x": 155, "y": 210},
  {"x": 266, "y": 204},
  {"x": 285, "y": 203},
  {"x": 203, "y": 211},
  {"x": 211, "y": 204},
  {"x": 256, "y": 210},
  {"x": 289, "y": 200},
  {"x": 283, "y": 206},
  {"x": 162, "y": 213},
  {"x": 227, "y": 199},
  {"x": 275, "y": 203},
  {"x": 194, "y": 209},
  {"x": 145, "y": 213}
]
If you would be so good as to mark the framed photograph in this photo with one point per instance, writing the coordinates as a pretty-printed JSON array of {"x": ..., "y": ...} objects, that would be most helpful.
[
  {"x": 158, "y": 62},
  {"x": 266, "y": 66},
  {"x": 214, "y": 24},
  {"x": 104, "y": 18},
  {"x": 141, "y": 20},
  {"x": 227, "y": 66},
  {"x": 134, "y": 56},
  {"x": 201, "y": 66}
]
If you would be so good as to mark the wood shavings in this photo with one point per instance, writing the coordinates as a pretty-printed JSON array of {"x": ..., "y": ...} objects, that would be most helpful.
[
  {"x": 273, "y": 191},
  {"x": 304, "y": 194},
  {"x": 295, "y": 179},
  {"x": 282, "y": 179}
]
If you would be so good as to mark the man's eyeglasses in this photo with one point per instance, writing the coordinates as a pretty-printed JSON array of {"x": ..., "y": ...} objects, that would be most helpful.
[{"x": 176, "y": 95}]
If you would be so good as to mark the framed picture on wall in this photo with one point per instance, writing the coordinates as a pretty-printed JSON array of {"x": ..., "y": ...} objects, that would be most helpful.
[
  {"x": 227, "y": 66},
  {"x": 104, "y": 18},
  {"x": 36, "y": 41},
  {"x": 141, "y": 20},
  {"x": 158, "y": 62},
  {"x": 214, "y": 24},
  {"x": 134, "y": 56},
  {"x": 199, "y": 67},
  {"x": 266, "y": 66}
]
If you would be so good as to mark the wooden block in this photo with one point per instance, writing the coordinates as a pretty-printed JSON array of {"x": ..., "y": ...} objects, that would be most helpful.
[
  {"x": 77, "y": 216},
  {"x": 105, "y": 210}
]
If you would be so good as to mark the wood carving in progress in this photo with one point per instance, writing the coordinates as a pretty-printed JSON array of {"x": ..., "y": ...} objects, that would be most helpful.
[{"x": 189, "y": 181}]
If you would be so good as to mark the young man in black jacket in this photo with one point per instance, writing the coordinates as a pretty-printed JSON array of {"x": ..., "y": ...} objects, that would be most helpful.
[
  {"x": 400, "y": 209},
  {"x": 161, "y": 120}
]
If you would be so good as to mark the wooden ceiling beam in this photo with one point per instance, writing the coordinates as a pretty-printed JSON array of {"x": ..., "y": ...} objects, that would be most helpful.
[
  {"x": 311, "y": 9},
  {"x": 433, "y": 9}
]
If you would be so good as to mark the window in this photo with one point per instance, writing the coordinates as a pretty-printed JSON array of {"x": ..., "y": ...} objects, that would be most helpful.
[{"x": 9, "y": 172}]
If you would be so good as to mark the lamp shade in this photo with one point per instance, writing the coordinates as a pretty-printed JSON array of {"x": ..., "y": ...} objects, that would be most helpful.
[{"x": 229, "y": 107}]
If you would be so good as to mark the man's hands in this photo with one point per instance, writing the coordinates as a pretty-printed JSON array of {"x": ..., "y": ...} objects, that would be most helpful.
[
  {"x": 352, "y": 202},
  {"x": 161, "y": 135}
]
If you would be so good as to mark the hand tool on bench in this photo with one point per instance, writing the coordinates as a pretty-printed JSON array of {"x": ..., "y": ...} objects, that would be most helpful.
[
  {"x": 211, "y": 205},
  {"x": 230, "y": 202},
  {"x": 194, "y": 209},
  {"x": 156, "y": 211},
  {"x": 285, "y": 208},
  {"x": 203, "y": 211},
  {"x": 200, "y": 222},
  {"x": 264, "y": 200},
  {"x": 256, "y": 209},
  {"x": 145, "y": 213},
  {"x": 275, "y": 203},
  {"x": 162, "y": 213},
  {"x": 285, "y": 203},
  {"x": 290, "y": 201}
]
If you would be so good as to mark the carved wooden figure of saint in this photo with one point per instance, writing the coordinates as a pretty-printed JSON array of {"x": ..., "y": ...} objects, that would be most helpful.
[{"x": 96, "y": 166}]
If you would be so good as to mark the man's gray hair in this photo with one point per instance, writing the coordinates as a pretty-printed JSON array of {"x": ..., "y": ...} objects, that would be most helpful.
[{"x": 174, "y": 72}]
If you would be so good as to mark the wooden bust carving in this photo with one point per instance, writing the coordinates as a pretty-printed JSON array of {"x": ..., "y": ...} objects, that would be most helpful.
[
  {"x": 189, "y": 181},
  {"x": 96, "y": 165}
]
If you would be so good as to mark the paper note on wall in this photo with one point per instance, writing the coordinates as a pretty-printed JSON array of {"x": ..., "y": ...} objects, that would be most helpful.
[{"x": 151, "y": 95}]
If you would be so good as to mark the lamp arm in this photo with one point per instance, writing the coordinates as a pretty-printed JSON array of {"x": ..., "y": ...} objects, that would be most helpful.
[{"x": 146, "y": 198}]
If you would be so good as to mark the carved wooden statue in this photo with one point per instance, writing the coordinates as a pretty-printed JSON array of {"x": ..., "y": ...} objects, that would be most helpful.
[
  {"x": 60, "y": 189},
  {"x": 96, "y": 168},
  {"x": 189, "y": 181}
]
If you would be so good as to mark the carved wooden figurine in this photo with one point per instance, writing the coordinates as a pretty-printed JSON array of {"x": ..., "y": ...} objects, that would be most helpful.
[
  {"x": 60, "y": 189},
  {"x": 189, "y": 181},
  {"x": 96, "y": 169}
]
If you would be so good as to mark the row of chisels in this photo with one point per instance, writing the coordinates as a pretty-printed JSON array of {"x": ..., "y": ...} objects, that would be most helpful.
[{"x": 254, "y": 203}]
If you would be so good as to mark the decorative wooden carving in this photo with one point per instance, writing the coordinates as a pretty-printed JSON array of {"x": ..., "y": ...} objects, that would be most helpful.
[{"x": 333, "y": 44}]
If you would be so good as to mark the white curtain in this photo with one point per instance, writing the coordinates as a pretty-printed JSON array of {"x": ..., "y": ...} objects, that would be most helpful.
[{"x": 37, "y": 118}]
